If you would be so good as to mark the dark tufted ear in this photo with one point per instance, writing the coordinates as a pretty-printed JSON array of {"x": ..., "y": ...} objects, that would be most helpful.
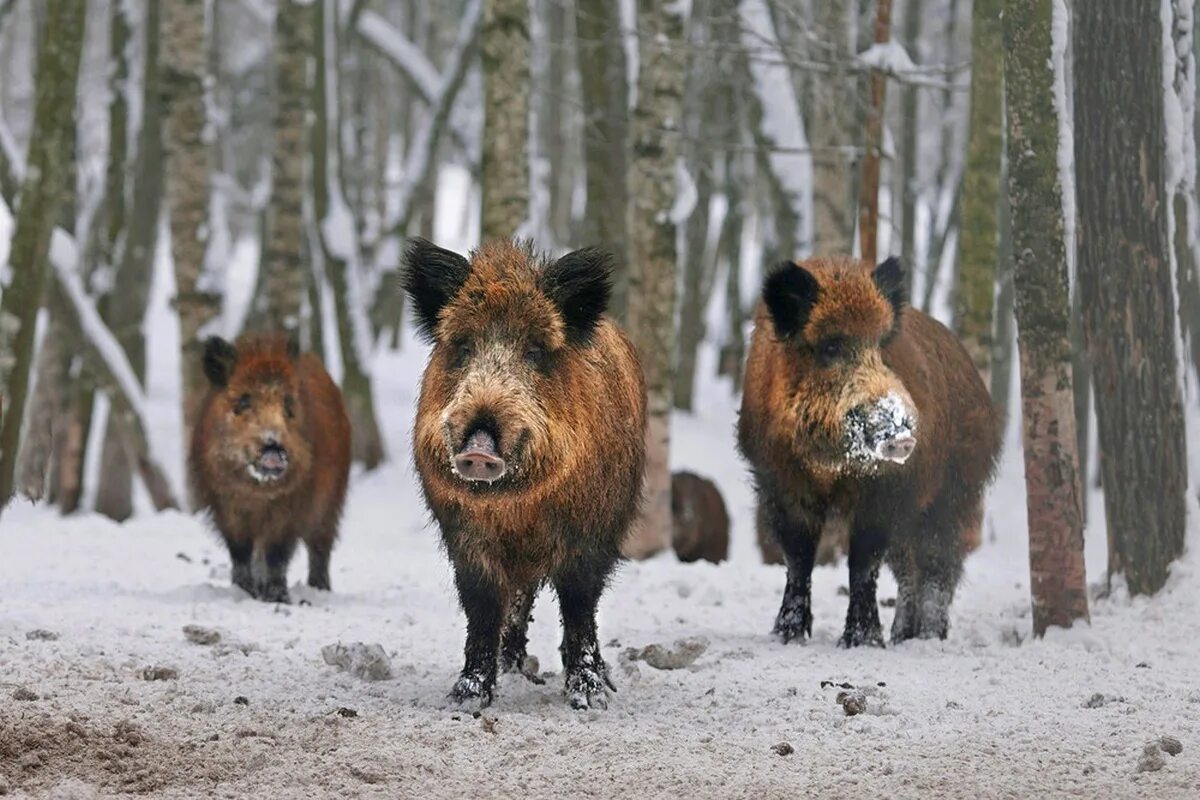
[
  {"x": 889, "y": 278},
  {"x": 580, "y": 283},
  {"x": 219, "y": 360},
  {"x": 432, "y": 276},
  {"x": 790, "y": 292}
]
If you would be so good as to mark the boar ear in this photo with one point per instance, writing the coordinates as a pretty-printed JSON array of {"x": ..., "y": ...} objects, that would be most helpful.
[
  {"x": 580, "y": 283},
  {"x": 219, "y": 359},
  {"x": 293, "y": 347},
  {"x": 790, "y": 291},
  {"x": 432, "y": 276},
  {"x": 889, "y": 279}
]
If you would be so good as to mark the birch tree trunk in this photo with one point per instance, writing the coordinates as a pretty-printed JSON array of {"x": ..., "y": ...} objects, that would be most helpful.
[
  {"x": 506, "y": 53},
  {"x": 978, "y": 241},
  {"x": 46, "y": 179},
  {"x": 188, "y": 167},
  {"x": 282, "y": 283},
  {"x": 1057, "y": 580},
  {"x": 1125, "y": 285},
  {"x": 655, "y": 140},
  {"x": 604, "y": 89}
]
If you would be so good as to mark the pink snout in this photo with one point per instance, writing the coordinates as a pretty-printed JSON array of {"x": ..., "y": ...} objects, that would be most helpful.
[{"x": 478, "y": 459}]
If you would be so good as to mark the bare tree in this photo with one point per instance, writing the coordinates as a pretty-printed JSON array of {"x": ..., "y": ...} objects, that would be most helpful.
[
  {"x": 652, "y": 238},
  {"x": 1125, "y": 285},
  {"x": 1057, "y": 579},
  {"x": 45, "y": 182},
  {"x": 506, "y": 54},
  {"x": 868, "y": 198}
]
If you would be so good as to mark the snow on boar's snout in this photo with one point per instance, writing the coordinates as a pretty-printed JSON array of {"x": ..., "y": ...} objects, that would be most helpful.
[{"x": 529, "y": 441}]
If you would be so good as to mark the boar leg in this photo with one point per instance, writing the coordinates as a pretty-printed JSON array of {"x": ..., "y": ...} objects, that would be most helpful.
[
  {"x": 481, "y": 601},
  {"x": 271, "y": 582},
  {"x": 798, "y": 540},
  {"x": 318, "y": 562},
  {"x": 241, "y": 555},
  {"x": 587, "y": 678},
  {"x": 862, "y": 619},
  {"x": 513, "y": 657},
  {"x": 900, "y": 560}
]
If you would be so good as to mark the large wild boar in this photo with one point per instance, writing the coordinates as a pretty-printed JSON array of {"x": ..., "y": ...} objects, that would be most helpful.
[
  {"x": 529, "y": 443},
  {"x": 270, "y": 458},
  {"x": 859, "y": 407}
]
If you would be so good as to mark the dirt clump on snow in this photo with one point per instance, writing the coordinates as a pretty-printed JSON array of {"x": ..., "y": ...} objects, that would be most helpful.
[
  {"x": 197, "y": 634},
  {"x": 158, "y": 673},
  {"x": 682, "y": 654},
  {"x": 41, "y": 635},
  {"x": 366, "y": 661}
]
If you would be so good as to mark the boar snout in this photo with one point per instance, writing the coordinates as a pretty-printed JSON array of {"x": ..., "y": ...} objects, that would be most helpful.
[
  {"x": 478, "y": 459},
  {"x": 881, "y": 431},
  {"x": 898, "y": 448}
]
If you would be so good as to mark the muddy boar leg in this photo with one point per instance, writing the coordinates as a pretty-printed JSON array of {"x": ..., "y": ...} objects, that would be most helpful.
[
  {"x": 798, "y": 540},
  {"x": 862, "y": 619},
  {"x": 484, "y": 607},
  {"x": 241, "y": 555},
  {"x": 318, "y": 562},
  {"x": 587, "y": 679},
  {"x": 272, "y": 582},
  {"x": 939, "y": 557},
  {"x": 900, "y": 561},
  {"x": 513, "y": 656}
]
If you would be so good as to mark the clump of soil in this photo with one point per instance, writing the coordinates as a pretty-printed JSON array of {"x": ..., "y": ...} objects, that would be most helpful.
[{"x": 366, "y": 661}]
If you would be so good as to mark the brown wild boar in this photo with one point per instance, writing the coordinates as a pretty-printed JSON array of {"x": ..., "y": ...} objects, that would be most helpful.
[
  {"x": 859, "y": 407},
  {"x": 270, "y": 459},
  {"x": 529, "y": 443}
]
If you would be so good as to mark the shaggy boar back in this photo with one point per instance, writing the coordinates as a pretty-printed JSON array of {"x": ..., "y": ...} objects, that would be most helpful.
[
  {"x": 270, "y": 459},
  {"x": 529, "y": 443},
  {"x": 860, "y": 409}
]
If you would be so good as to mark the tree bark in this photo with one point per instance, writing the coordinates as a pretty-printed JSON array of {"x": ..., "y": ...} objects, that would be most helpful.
[
  {"x": 45, "y": 182},
  {"x": 282, "y": 274},
  {"x": 188, "y": 168},
  {"x": 506, "y": 53},
  {"x": 1057, "y": 580},
  {"x": 604, "y": 89},
  {"x": 1125, "y": 284},
  {"x": 868, "y": 199},
  {"x": 907, "y": 193},
  {"x": 655, "y": 138},
  {"x": 831, "y": 112},
  {"x": 978, "y": 240}
]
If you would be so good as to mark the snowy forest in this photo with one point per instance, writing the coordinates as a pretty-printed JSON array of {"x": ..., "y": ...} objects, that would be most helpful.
[{"x": 175, "y": 170}]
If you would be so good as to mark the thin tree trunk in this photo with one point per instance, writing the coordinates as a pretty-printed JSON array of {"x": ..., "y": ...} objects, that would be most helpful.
[
  {"x": 506, "y": 54},
  {"x": 978, "y": 239},
  {"x": 604, "y": 90},
  {"x": 42, "y": 191},
  {"x": 655, "y": 138},
  {"x": 1057, "y": 579},
  {"x": 188, "y": 168},
  {"x": 1125, "y": 285},
  {"x": 282, "y": 275},
  {"x": 868, "y": 199},
  {"x": 733, "y": 350},
  {"x": 907, "y": 192},
  {"x": 831, "y": 112},
  {"x": 1002, "y": 339}
]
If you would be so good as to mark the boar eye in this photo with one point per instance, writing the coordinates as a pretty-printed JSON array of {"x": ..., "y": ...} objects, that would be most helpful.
[
  {"x": 242, "y": 404},
  {"x": 831, "y": 349},
  {"x": 461, "y": 350},
  {"x": 535, "y": 354},
  {"x": 289, "y": 406}
]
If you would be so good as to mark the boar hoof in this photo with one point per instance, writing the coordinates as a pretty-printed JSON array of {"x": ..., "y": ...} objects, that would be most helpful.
[
  {"x": 793, "y": 625},
  {"x": 525, "y": 665},
  {"x": 273, "y": 593},
  {"x": 471, "y": 691},
  {"x": 589, "y": 687},
  {"x": 859, "y": 637}
]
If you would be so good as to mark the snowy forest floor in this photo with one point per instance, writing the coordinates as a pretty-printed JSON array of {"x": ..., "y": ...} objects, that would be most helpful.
[{"x": 987, "y": 713}]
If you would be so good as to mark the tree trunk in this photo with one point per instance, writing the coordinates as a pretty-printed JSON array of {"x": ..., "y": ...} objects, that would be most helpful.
[
  {"x": 506, "y": 53},
  {"x": 830, "y": 113},
  {"x": 1057, "y": 580},
  {"x": 45, "y": 182},
  {"x": 340, "y": 259},
  {"x": 978, "y": 240},
  {"x": 733, "y": 349},
  {"x": 1125, "y": 284},
  {"x": 1002, "y": 338},
  {"x": 652, "y": 285},
  {"x": 868, "y": 199},
  {"x": 907, "y": 192},
  {"x": 604, "y": 89},
  {"x": 281, "y": 279},
  {"x": 187, "y": 162}
]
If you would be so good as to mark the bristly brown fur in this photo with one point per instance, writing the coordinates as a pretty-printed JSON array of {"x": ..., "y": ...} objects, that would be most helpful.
[
  {"x": 791, "y": 422},
  {"x": 292, "y": 396}
]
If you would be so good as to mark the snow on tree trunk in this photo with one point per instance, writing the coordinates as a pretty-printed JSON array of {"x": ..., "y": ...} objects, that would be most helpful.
[
  {"x": 339, "y": 246},
  {"x": 45, "y": 182},
  {"x": 604, "y": 90},
  {"x": 868, "y": 198},
  {"x": 188, "y": 160},
  {"x": 506, "y": 53},
  {"x": 1125, "y": 284},
  {"x": 655, "y": 138},
  {"x": 978, "y": 240},
  {"x": 282, "y": 276},
  {"x": 1057, "y": 580}
]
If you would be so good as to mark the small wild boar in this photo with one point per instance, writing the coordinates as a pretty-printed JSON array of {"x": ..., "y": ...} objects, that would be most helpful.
[
  {"x": 270, "y": 459},
  {"x": 860, "y": 408},
  {"x": 529, "y": 443}
]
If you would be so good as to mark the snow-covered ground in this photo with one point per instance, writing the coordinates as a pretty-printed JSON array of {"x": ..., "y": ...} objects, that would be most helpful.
[{"x": 987, "y": 713}]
